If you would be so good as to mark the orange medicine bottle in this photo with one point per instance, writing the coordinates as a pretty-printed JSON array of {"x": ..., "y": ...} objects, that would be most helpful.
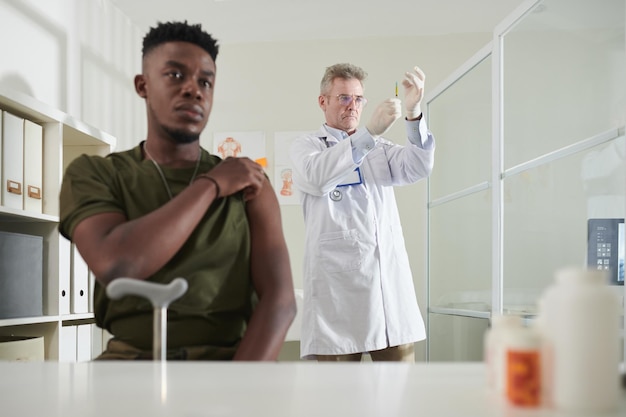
[
  {"x": 523, "y": 367},
  {"x": 494, "y": 349}
]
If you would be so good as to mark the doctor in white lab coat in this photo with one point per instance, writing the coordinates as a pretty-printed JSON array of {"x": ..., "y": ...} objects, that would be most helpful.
[{"x": 358, "y": 287}]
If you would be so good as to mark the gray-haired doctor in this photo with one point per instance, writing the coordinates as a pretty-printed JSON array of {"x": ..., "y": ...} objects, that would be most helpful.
[{"x": 359, "y": 295}]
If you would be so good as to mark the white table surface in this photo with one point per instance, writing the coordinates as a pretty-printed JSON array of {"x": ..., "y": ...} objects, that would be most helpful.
[{"x": 289, "y": 389}]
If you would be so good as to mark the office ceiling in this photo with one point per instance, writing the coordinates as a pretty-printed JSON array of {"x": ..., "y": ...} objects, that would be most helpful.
[{"x": 243, "y": 21}]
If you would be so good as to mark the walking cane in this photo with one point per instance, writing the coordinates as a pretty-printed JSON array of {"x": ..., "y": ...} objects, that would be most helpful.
[{"x": 160, "y": 295}]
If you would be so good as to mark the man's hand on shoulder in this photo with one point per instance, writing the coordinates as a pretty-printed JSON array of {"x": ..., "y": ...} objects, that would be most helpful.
[{"x": 236, "y": 174}]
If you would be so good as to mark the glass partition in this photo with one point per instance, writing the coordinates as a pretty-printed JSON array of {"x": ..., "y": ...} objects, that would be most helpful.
[
  {"x": 563, "y": 107},
  {"x": 461, "y": 116},
  {"x": 546, "y": 213},
  {"x": 456, "y": 338},
  {"x": 530, "y": 174},
  {"x": 460, "y": 253},
  {"x": 460, "y": 213},
  {"x": 563, "y": 76}
]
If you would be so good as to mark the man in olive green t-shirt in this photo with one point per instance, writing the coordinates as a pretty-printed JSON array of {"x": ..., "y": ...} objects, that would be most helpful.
[{"x": 168, "y": 208}]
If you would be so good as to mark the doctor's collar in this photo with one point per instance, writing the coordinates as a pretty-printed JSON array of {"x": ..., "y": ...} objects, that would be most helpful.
[{"x": 338, "y": 133}]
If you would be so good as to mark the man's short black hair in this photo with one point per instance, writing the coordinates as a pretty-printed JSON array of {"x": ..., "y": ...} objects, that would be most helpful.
[{"x": 179, "y": 32}]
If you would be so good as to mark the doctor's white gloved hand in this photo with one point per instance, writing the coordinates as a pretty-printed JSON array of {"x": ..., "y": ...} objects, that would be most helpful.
[
  {"x": 413, "y": 92},
  {"x": 384, "y": 116}
]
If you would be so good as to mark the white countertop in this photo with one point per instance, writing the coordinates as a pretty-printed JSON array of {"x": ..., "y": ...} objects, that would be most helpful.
[{"x": 228, "y": 389}]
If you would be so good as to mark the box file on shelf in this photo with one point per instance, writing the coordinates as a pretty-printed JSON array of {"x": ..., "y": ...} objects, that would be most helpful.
[
  {"x": 21, "y": 279},
  {"x": 33, "y": 166},
  {"x": 13, "y": 161}
]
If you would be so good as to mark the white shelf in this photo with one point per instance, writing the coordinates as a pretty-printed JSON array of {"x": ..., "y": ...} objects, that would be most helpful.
[
  {"x": 64, "y": 138},
  {"x": 20, "y": 321},
  {"x": 77, "y": 132},
  {"x": 77, "y": 317},
  {"x": 11, "y": 214}
]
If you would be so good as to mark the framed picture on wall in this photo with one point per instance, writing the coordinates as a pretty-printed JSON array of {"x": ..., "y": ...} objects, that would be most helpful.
[
  {"x": 250, "y": 144},
  {"x": 283, "y": 183}
]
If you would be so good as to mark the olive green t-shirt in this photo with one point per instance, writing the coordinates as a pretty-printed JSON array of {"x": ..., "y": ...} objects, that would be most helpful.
[{"x": 215, "y": 260}]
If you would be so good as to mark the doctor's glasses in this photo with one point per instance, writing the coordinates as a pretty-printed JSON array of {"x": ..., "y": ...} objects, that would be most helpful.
[{"x": 345, "y": 100}]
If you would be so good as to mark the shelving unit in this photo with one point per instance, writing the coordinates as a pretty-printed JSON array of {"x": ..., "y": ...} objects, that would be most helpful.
[{"x": 64, "y": 138}]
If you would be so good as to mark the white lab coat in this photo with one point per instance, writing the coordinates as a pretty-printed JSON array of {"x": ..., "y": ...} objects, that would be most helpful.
[{"x": 358, "y": 287}]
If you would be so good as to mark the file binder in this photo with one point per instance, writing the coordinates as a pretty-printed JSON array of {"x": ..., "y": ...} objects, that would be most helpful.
[
  {"x": 83, "y": 342},
  {"x": 67, "y": 339},
  {"x": 12, "y": 161},
  {"x": 33, "y": 165},
  {"x": 65, "y": 273},
  {"x": 79, "y": 285}
]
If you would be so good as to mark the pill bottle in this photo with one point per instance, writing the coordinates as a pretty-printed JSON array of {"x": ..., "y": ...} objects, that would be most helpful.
[
  {"x": 547, "y": 360},
  {"x": 522, "y": 355},
  {"x": 493, "y": 345},
  {"x": 581, "y": 319}
]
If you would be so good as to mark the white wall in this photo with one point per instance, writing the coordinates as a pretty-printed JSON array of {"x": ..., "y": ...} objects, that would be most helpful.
[
  {"x": 33, "y": 40},
  {"x": 81, "y": 55}
]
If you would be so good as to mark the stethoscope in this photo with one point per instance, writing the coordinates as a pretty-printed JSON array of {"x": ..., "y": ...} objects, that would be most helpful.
[{"x": 336, "y": 194}]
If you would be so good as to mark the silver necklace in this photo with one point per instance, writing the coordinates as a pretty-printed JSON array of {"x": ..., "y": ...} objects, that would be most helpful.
[{"x": 160, "y": 171}]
